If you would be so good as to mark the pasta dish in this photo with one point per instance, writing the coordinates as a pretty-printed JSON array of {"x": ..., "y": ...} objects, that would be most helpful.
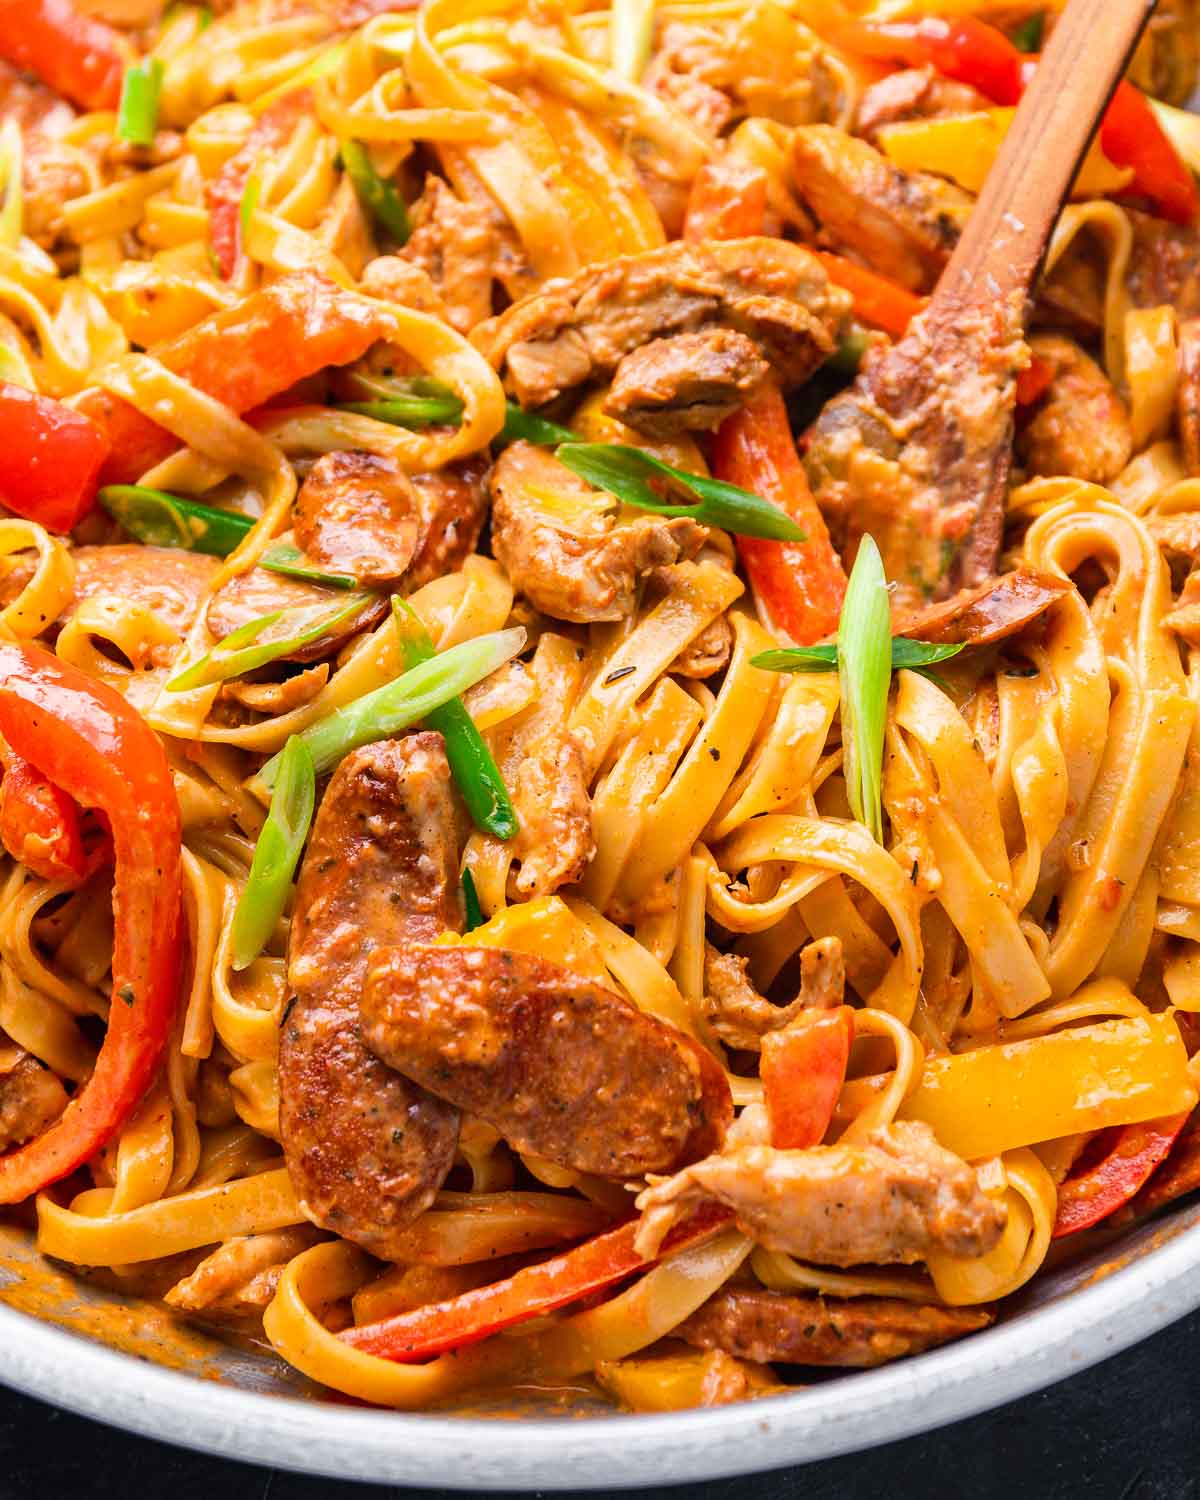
[{"x": 583, "y": 801}]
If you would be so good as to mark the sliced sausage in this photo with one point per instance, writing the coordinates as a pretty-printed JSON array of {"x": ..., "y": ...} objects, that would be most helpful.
[
  {"x": 563, "y": 1068},
  {"x": 357, "y": 513},
  {"x": 887, "y": 1202},
  {"x": 778, "y": 1328},
  {"x": 994, "y": 611},
  {"x": 260, "y": 592},
  {"x": 366, "y": 1148},
  {"x": 453, "y": 503},
  {"x": 170, "y": 583}
]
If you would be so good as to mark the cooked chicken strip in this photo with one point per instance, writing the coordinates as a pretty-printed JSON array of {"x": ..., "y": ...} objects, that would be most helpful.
[
  {"x": 691, "y": 382},
  {"x": 1081, "y": 427},
  {"x": 561, "y": 1067},
  {"x": 559, "y": 542},
  {"x": 858, "y": 1333},
  {"x": 366, "y": 1149},
  {"x": 240, "y": 1277},
  {"x": 903, "y": 225},
  {"x": 573, "y": 331},
  {"x": 741, "y": 1017},
  {"x": 888, "y": 1202},
  {"x": 31, "y": 1096}
]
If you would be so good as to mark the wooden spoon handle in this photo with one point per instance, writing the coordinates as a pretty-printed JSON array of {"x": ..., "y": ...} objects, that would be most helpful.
[{"x": 1002, "y": 247}]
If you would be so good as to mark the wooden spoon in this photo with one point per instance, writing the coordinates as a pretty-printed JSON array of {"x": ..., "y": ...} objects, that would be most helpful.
[{"x": 918, "y": 451}]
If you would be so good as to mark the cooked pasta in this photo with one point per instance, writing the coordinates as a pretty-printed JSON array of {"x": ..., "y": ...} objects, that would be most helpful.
[{"x": 528, "y": 855}]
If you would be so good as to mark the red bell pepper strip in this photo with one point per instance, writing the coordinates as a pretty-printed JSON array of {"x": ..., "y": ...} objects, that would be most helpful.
[
  {"x": 79, "y": 56},
  {"x": 877, "y": 300},
  {"x": 39, "y": 823},
  {"x": 50, "y": 458},
  {"x": 591, "y": 1267},
  {"x": 82, "y": 736},
  {"x": 800, "y": 584},
  {"x": 1034, "y": 381},
  {"x": 972, "y": 52},
  {"x": 1133, "y": 1152},
  {"x": 728, "y": 201},
  {"x": 271, "y": 132},
  {"x": 803, "y": 1068},
  {"x": 1131, "y": 136},
  {"x": 242, "y": 356}
]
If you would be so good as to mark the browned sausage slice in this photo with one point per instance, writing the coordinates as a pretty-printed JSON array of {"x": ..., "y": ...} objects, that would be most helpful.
[
  {"x": 260, "y": 592},
  {"x": 992, "y": 612},
  {"x": 358, "y": 514},
  {"x": 366, "y": 1149},
  {"x": 775, "y": 1327},
  {"x": 560, "y": 1066}
]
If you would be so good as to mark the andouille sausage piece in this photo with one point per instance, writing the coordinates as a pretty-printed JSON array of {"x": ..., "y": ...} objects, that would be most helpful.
[
  {"x": 360, "y": 514},
  {"x": 366, "y": 1148},
  {"x": 778, "y": 1328},
  {"x": 563, "y": 1068},
  {"x": 992, "y": 612}
]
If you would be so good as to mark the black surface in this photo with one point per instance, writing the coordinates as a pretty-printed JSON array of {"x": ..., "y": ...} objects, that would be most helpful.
[{"x": 1127, "y": 1430}]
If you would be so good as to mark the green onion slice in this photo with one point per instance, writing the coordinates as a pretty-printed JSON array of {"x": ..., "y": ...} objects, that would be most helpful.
[
  {"x": 1029, "y": 34},
  {"x": 475, "y": 772},
  {"x": 914, "y": 655},
  {"x": 375, "y": 193},
  {"x": 626, "y": 473},
  {"x": 243, "y": 650},
  {"x": 163, "y": 520},
  {"x": 250, "y": 196},
  {"x": 288, "y": 559},
  {"x": 403, "y": 400},
  {"x": 630, "y": 37},
  {"x": 406, "y": 701},
  {"x": 527, "y": 426},
  {"x": 471, "y": 906},
  {"x": 864, "y": 646},
  {"x": 137, "y": 113},
  {"x": 275, "y": 854}
]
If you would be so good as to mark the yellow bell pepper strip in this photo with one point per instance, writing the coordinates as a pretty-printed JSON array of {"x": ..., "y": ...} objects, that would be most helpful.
[
  {"x": 1128, "y": 1158},
  {"x": 83, "y": 736},
  {"x": 997, "y": 1098},
  {"x": 964, "y": 148},
  {"x": 803, "y": 1068}
]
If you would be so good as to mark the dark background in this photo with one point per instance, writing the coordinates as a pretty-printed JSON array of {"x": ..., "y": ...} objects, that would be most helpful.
[{"x": 1128, "y": 1429}]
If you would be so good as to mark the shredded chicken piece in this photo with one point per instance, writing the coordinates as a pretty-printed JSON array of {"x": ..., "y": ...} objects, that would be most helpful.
[
  {"x": 455, "y": 243},
  {"x": 887, "y": 1202},
  {"x": 857, "y": 1333},
  {"x": 31, "y": 1096},
  {"x": 741, "y": 1017},
  {"x": 240, "y": 1278},
  {"x": 559, "y": 542},
  {"x": 550, "y": 797},
  {"x": 576, "y": 330},
  {"x": 392, "y": 279},
  {"x": 915, "y": 94},
  {"x": 54, "y": 174},
  {"x": 1081, "y": 427},
  {"x": 903, "y": 225},
  {"x": 691, "y": 382}
]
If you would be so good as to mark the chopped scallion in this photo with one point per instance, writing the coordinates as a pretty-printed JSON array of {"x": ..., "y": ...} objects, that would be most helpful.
[
  {"x": 864, "y": 647},
  {"x": 244, "y": 651},
  {"x": 475, "y": 772},
  {"x": 1029, "y": 34},
  {"x": 527, "y": 426},
  {"x": 137, "y": 113},
  {"x": 914, "y": 655},
  {"x": 276, "y": 853},
  {"x": 163, "y": 520},
  {"x": 404, "y": 702},
  {"x": 471, "y": 907},
  {"x": 375, "y": 193},
  {"x": 627, "y": 473}
]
